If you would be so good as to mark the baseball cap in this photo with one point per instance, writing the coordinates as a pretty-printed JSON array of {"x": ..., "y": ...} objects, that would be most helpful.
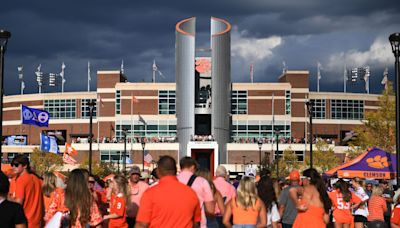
[
  {"x": 294, "y": 175},
  {"x": 135, "y": 170},
  {"x": 250, "y": 172}
]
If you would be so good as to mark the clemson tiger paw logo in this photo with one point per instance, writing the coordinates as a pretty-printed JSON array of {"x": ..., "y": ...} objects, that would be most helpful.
[{"x": 378, "y": 162}]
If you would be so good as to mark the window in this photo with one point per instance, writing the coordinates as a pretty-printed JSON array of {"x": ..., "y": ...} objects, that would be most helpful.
[
  {"x": 85, "y": 109},
  {"x": 61, "y": 109},
  {"x": 112, "y": 156},
  {"x": 319, "y": 108},
  {"x": 347, "y": 109},
  {"x": 166, "y": 102},
  {"x": 118, "y": 102},
  {"x": 239, "y": 102},
  {"x": 287, "y": 102},
  {"x": 154, "y": 128},
  {"x": 254, "y": 129}
]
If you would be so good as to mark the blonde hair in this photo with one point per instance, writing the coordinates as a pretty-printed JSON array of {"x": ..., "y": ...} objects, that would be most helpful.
[
  {"x": 247, "y": 193},
  {"x": 49, "y": 183},
  {"x": 377, "y": 191}
]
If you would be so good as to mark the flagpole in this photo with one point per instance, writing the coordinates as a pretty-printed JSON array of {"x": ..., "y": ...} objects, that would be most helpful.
[
  {"x": 131, "y": 121},
  {"x": 273, "y": 123},
  {"x": 154, "y": 71},
  {"x": 88, "y": 84},
  {"x": 344, "y": 78},
  {"x": 98, "y": 122},
  {"x": 318, "y": 75},
  {"x": 251, "y": 73}
]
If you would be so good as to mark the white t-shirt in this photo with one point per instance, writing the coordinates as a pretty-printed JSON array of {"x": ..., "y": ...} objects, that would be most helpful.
[
  {"x": 273, "y": 215},
  {"x": 362, "y": 210}
]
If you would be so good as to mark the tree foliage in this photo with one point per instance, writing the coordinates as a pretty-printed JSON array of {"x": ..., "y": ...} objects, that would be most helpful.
[
  {"x": 380, "y": 126},
  {"x": 101, "y": 169},
  {"x": 287, "y": 163},
  {"x": 45, "y": 161},
  {"x": 324, "y": 157}
]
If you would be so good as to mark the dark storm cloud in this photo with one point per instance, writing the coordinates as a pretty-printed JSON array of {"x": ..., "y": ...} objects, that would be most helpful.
[{"x": 107, "y": 32}]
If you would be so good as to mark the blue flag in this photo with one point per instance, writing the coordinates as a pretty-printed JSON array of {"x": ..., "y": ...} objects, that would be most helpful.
[
  {"x": 48, "y": 144},
  {"x": 34, "y": 116}
]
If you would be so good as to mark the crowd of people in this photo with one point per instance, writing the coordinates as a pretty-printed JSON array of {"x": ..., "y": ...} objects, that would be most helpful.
[
  {"x": 192, "y": 198},
  {"x": 283, "y": 140}
]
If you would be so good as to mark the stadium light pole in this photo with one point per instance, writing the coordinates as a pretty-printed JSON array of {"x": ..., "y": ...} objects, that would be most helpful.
[
  {"x": 395, "y": 43},
  {"x": 310, "y": 109},
  {"x": 124, "y": 154},
  {"x": 91, "y": 105},
  {"x": 259, "y": 149},
  {"x": 143, "y": 146},
  {"x": 277, "y": 132},
  {"x": 4, "y": 36}
]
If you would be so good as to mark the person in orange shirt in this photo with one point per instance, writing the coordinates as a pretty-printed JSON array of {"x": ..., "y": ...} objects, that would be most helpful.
[
  {"x": 395, "y": 217},
  {"x": 119, "y": 199},
  {"x": 246, "y": 208},
  {"x": 77, "y": 201},
  {"x": 343, "y": 202},
  {"x": 169, "y": 203},
  {"x": 28, "y": 191},
  {"x": 377, "y": 207},
  {"x": 49, "y": 189},
  {"x": 312, "y": 201}
]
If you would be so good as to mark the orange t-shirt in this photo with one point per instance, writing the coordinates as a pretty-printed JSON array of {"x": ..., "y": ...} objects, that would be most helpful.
[
  {"x": 341, "y": 209},
  {"x": 118, "y": 207},
  {"x": 245, "y": 216},
  {"x": 395, "y": 218},
  {"x": 28, "y": 188},
  {"x": 169, "y": 204},
  {"x": 48, "y": 200},
  {"x": 376, "y": 208}
]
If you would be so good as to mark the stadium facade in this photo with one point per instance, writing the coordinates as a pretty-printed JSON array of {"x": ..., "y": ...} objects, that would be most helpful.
[{"x": 203, "y": 114}]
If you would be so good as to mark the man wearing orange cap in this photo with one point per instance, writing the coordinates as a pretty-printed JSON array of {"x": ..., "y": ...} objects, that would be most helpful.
[{"x": 287, "y": 208}]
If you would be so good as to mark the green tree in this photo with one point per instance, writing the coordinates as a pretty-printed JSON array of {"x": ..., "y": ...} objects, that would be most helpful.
[
  {"x": 101, "y": 169},
  {"x": 379, "y": 126},
  {"x": 324, "y": 157},
  {"x": 287, "y": 163},
  {"x": 45, "y": 161}
]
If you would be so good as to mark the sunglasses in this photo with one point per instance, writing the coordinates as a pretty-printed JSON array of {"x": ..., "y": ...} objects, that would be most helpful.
[
  {"x": 91, "y": 182},
  {"x": 15, "y": 164}
]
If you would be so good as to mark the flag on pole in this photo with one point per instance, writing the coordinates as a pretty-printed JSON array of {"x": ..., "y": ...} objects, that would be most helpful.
[
  {"x": 147, "y": 158},
  {"x": 68, "y": 159},
  {"x": 319, "y": 66},
  {"x": 251, "y": 73},
  {"x": 48, "y": 144},
  {"x": 128, "y": 160},
  {"x": 70, "y": 150},
  {"x": 101, "y": 102},
  {"x": 385, "y": 77},
  {"x": 34, "y": 116},
  {"x": 134, "y": 100},
  {"x": 122, "y": 67},
  {"x": 142, "y": 120}
]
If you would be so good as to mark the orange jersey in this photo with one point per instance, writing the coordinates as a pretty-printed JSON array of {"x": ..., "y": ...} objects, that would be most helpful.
[
  {"x": 118, "y": 207},
  {"x": 395, "y": 218},
  {"x": 341, "y": 209}
]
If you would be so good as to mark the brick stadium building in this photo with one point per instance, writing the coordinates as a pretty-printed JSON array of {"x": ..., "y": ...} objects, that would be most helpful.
[{"x": 202, "y": 115}]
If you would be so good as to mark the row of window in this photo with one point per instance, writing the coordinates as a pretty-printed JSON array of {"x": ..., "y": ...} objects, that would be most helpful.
[
  {"x": 340, "y": 109},
  {"x": 259, "y": 129},
  {"x": 66, "y": 108}
]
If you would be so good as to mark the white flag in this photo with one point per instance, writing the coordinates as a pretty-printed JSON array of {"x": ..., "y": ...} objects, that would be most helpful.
[
  {"x": 385, "y": 76},
  {"x": 154, "y": 65},
  {"x": 122, "y": 66},
  {"x": 88, "y": 70},
  {"x": 63, "y": 66},
  {"x": 319, "y": 66}
]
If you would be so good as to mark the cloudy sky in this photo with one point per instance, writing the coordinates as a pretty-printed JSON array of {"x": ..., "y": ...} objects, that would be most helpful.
[{"x": 265, "y": 33}]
